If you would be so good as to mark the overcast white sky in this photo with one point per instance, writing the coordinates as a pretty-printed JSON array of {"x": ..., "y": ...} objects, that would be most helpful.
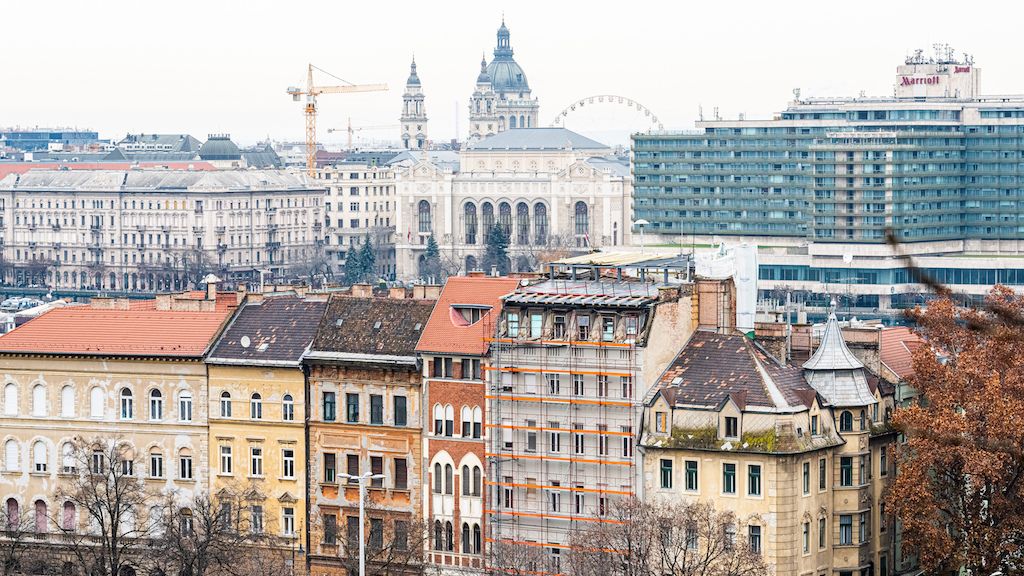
[{"x": 210, "y": 67}]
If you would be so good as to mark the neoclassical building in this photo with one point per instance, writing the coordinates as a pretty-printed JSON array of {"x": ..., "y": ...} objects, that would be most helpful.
[
  {"x": 502, "y": 99},
  {"x": 550, "y": 188},
  {"x": 414, "y": 113}
]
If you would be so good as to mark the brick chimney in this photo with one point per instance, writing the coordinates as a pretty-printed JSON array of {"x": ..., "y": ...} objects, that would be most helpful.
[
  {"x": 362, "y": 290},
  {"x": 397, "y": 292}
]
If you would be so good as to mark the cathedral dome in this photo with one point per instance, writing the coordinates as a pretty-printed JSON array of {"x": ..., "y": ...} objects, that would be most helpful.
[
  {"x": 414, "y": 79},
  {"x": 505, "y": 73}
]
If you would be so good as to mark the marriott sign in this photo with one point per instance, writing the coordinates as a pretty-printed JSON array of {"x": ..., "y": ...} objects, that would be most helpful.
[{"x": 913, "y": 81}]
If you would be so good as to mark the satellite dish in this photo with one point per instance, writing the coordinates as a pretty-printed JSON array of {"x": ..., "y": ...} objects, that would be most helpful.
[{"x": 245, "y": 342}]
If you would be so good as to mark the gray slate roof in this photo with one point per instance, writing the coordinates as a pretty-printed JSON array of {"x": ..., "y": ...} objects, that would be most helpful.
[
  {"x": 154, "y": 180},
  {"x": 537, "y": 139},
  {"x": 177, "y": 142},
  {"x": 835, "y": 372},
  {"x": 277, "y": 332}
]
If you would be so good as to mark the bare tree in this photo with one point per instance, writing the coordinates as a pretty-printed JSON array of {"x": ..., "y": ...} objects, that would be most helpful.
[
  {"x": 108, "y": 497},
  {"x": 514, "y": 558},
  {"x": 17, "y": 528},
  {"x": 657, "y": 539},
  {"x": 395, "y": 543},
  {"x": 557, "y": 247}
]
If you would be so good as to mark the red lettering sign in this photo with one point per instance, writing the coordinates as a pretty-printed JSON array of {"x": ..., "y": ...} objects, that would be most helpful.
[
  {"x": 911, "y": 81},
  {"x": 959, "y": 69}
]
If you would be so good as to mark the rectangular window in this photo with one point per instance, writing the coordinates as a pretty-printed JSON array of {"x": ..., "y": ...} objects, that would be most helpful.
[
  {"x": 627, "y": 441},
  {"x": 864, "y": 473},
  {"x": 729, "y": 478},
  {"x": 330, "y": 529},
  {"x": 288, "y": 463},
  {"x": 512, "y": 321},
  {"x": 814, "y": 425},
  {"x": 666, "y": 473},
  {"x": 352, "y": 408},
  {"x": 883, "y": 565},
  {"x": 846, "y": 471},
  {"x": 807, "y": 478},
  {"x": 583, "y": 327},
  {"x": 602, "y": 386},
  {"x": 807, "y": 537},
  {"x": 691, "y": 475},
  {"x": 376, "y": 409},
  {"x": 352, "y": 467},
  {"x": 753, "y": 480},
  {"x": 578, "y": 388},
  {"x": 602, "y": 439},
  {"x": 156, "y": 465},
  {"x": 754, "y": 536},
  {"x": 376, "y": 534},
  {"x": 821, "y": 474},
  {"x": 558, "y": 327},
  {"x": 401, "y": 411},
  {"x": 660, "y": 422},
  {"x": 626, "y": 384},
  {"x": 225, "y": 459},
  {"x": 531, "y": 436},
  {"x": 555, "y": 385},
  {"x": 400, "y": 538},
  {"x": 536, "y": 323},
  {"x": 845, "y": 529},
  {"x": 579, "y": 443},
  {"x": 330, "y": 407},
  {"x": 401, "y": 474},
  {"x": 288, "y": 521},
  {"x": 632, "y": 323},
  {"x": 822, "y": 534},
  {"x": 554, "y": 438},
  {"x": 377, "y": 469},
  {"x": 256, "y": 461},
  {"x": 607, "y": 328},
  {"x": 256, "y": 519},
  {"x": 352, "y": 529},
  {"x": 863, "y": 525},
  {"x": 732, "y": 427},
  {"x": 185, "y": 467},
  {"x": 330, "y": 468}
]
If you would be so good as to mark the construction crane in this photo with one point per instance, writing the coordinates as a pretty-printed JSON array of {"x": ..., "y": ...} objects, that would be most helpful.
[
  {"x": 311, "y": 92},
  {"x": 352, "y": 130}
]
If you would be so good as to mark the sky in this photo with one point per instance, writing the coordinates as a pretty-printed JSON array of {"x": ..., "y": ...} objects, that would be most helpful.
[{"x": 223, "y": 66}]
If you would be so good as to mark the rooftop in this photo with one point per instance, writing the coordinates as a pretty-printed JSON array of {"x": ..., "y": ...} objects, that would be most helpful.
[
  {"x": 371, "y": 329},
  {"x": 449, "y": 331},
  {"x": 269, "y": 330},
  {"x": 154, "y": 180},
  {"x": 586, "y": 293},
  {"x": 537, "y": 139},
  {"x": 897, "y": 350}
]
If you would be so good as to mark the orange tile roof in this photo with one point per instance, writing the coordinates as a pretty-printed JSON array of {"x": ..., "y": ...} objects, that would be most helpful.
[
  {"x": 446, "y": 331},
  {"x": 140, "y": 330},
  {"x": 897, "y": 350}
]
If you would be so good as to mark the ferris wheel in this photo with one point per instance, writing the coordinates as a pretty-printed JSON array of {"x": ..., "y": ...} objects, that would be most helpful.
[{"x": 609, "y": 99}]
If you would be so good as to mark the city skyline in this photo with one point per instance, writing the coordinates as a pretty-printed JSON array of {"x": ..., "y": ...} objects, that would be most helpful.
[{"x": 234, "y": 84}]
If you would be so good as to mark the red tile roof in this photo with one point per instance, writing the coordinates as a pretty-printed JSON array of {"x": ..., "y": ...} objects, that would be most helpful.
[
  {"x": 447, "y": 331},
  {"x": 135, "y": 330},
  {"x": 897, "y": 350}
]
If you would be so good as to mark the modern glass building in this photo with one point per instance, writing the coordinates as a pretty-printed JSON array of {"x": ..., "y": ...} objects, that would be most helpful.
[
  {"x": 935, "y": 162},
  {"x": 34, "y": 140}
]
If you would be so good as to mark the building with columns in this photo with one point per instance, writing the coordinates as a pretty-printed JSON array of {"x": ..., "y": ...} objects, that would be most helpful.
[
  {"x": 502, "y": 99},
  {"x": 550, "y": 188},
  {"x": 414, "y": 113}
]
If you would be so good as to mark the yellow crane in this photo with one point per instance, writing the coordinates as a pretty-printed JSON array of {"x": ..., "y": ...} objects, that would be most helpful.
[
  {"x": 352, "y": 130},
  {"x": 311, "y": 92}
]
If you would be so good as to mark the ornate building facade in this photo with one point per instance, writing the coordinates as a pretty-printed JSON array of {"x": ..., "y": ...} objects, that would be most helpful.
[
  {"x": 414, "y": 113},
  {"x": 502, "y": 99}
]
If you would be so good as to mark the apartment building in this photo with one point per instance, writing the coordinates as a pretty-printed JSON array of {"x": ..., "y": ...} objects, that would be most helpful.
[
  {"x": 365, "y": 417},
  {"x": 360, "y": 203},
  {"x": 454, "y": 350},
  {"x": 156, "y": 230},
  {"x": 257, "y": 411},
  {"x": 570, "y": 366},
  {"x": 116, "y": 370},
  {"x": 800, "y": 453}
]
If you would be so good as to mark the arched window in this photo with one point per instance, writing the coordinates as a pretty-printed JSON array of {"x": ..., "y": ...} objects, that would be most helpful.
[
  {"x": 449, "y": 538},
  {"x": 467, "y": 422},
  {"x": 437, "y": 478},
  {"x": 477, "y": 481},
  {"x": 487, "y": 217},
  {"x": 288, "y": 408},
  {"x": 423, "y": 211},
  {"x": 478, "y": 421},
  {"x": 256, "y": 406},
  {"x": 511, "y": 124},
  {"x": 156, "y": 405},
  {"x": 68, "y": 517},
  {"x": 13, "y": 515},
  {"x": 67, "y": 459},
  {"x": 465, "y": 538},
  {"x": 467, "y": 483},
  {"x": 448, "y": 480},
  {"x": 39, "y": 456},
  {"x": 505, "y": 218},
  {"x": 12, "y": 462},
  {"x": 39, "y": 400},
  {"x": 40, "y": 517},
  {"x": 471, "y": 264},
  {"x": 438, "y": 420},
  {"x": 225, "y": 404},
  {"x": 846, "y": 421},
  {"x": 185, "y": 406},
  {"x": 11, "y": 399},
  {"x": 438, "y": 536},
  {"x": 127, "y": 404},
  {"x": 582, "y": 224},
  {"x": 477, "y": 539},
  {"x": 540, "y": 224},
  {"x": 449, "y": 420},
  {"x": 67, "y": 402},
  {"x": 96, "y": 402},
  {"x": 863, "y": 421},
  {"x": 522, "y": 223},
  {"x": 469, "y": 220}
]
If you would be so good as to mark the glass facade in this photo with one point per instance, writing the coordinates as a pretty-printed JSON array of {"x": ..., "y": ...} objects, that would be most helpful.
[
  {"x": 33, "y": 140},
  {"x": 840, "y": 172}
]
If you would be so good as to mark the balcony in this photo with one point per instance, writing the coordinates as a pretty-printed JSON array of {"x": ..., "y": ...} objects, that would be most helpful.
[
  {"x": 55, "y": 226},
  {"x": 273, "y": 245},
  {"x": 220, "y": 230},
  {"x": 198, "y": 229},
  {"x": 95, "y": 227}
]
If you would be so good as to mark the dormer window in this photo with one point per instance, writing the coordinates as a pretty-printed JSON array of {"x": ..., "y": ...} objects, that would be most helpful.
[
  {"x": 607, "y": 328},
  {"x": 583, "y": 327},
  {"x": 814, "y": 425},
  {"x": 558, "y": 326},
  {"x": 512, "y": 318},
  {"x": 732, "y": 427}
]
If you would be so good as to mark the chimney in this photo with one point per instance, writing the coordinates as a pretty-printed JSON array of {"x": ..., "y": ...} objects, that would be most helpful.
[
  {"x": 397, "y": 292},
  {"x": 254, "y": 298},
  {"x": 163, "y": 302},
  {"x": 211, "y": 286},
  {"x": 419, "y": 291},
  {"x": 476, "y": 274},
  {"x": 362, "y": 290},
  {"x": 431, "y": 291}
]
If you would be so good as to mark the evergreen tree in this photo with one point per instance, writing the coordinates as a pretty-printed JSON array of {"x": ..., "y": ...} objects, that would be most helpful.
[
  {"x": 368, "y": 261},
  {"x": 353, "y": 266},
  {"x": 431, "y": 269},
  {"x": 496, "y": 254}
]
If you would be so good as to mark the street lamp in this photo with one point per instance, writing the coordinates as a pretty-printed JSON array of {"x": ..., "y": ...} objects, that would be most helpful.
[
  {"x": 362, "y": 513},
  {"x": 641, "y": 223}
]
